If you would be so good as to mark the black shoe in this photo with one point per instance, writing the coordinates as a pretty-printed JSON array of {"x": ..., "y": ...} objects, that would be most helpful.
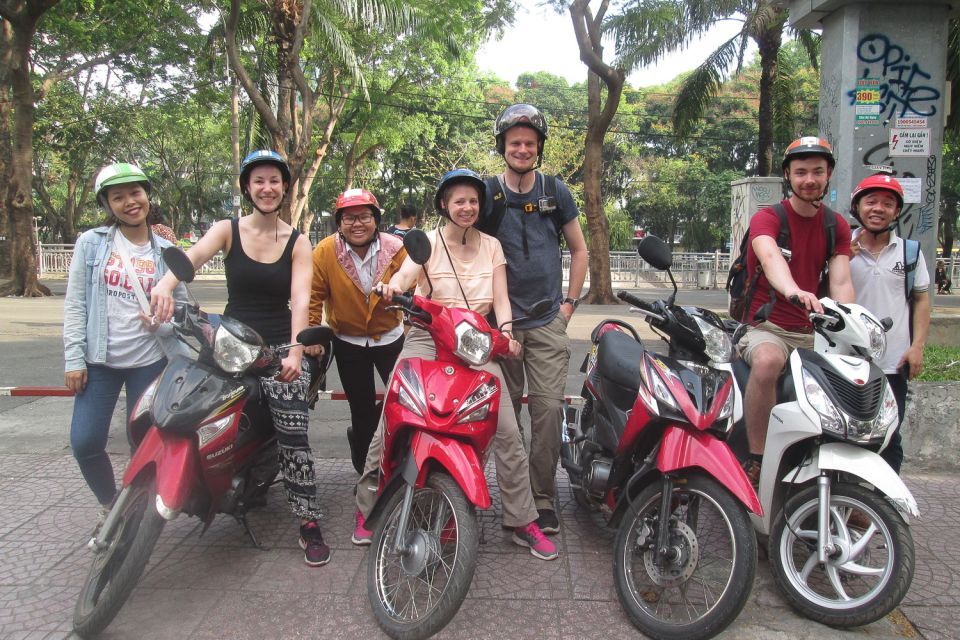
[
  {"x": 547, "y": 521},
  {"x": 315, "y": 552}
]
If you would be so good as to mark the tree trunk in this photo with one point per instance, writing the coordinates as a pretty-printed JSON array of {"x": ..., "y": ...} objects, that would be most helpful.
[
  {"x": 769, "y": 44},
  {"x": 587, "y": 29},
  {"x": 19, "y": 196},
  {"x": 235, "y": 142}
]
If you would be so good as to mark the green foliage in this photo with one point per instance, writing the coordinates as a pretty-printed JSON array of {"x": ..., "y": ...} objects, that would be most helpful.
[{"x": 940, "y": 364}]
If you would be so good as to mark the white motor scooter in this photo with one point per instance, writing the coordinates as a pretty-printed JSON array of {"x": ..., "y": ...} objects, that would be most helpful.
[{"x": 835, "y": 411}]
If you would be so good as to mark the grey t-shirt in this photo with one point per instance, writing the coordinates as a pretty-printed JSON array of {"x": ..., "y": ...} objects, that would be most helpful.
[{"x": 531, "y": 246}]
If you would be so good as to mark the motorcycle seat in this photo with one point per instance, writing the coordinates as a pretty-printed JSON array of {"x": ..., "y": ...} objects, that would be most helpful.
[{"x": 618, "y": 359}]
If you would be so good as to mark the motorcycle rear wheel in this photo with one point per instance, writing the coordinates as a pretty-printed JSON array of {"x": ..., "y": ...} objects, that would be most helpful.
[
  {"x": 869, "y": 576},
  {"x": 415, "y": 594},
  {"x": 117, "y": 568},
  {"x": 700, "y": 592}
]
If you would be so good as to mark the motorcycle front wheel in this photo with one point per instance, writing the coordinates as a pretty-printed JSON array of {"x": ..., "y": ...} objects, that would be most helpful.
[
  {"x": 700, "y": 585},
  {"x": 864, "y": 579},
  {"x": 117, "y": 567},
  {"x": 416, "y": 592}
]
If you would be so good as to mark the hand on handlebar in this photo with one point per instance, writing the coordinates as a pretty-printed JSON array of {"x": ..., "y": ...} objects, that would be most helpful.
[
  {"x": 806, "y": 300},
  {"x": 289, "y": 368},
  {"x": 515, "y": 350},
  {"x": 387, "y": 291},
  {"x": 162, "y": 302},
  {"x": 316, "y": 351}
]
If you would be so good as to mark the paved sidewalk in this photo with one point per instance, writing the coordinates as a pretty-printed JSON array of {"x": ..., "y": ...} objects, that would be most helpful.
[{"x": 219, "y": 586}]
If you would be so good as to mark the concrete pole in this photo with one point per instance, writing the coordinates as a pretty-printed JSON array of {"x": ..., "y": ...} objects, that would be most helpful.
[{"x": 883, "y": 99}]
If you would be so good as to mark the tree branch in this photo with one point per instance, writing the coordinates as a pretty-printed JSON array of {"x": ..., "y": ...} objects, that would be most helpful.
[{"x": 230, "y": 38}]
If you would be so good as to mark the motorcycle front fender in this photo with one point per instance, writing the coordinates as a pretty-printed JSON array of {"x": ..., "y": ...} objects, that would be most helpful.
[
  {"x": 174, "y": 458},
  {"x": 860, "y": 462},
  {"x": 683, "y": 448},
  {"x": 458, "y": 459}
]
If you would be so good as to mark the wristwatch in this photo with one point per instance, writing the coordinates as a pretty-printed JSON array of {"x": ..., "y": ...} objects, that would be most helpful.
[{"x": 574, "y": 302}]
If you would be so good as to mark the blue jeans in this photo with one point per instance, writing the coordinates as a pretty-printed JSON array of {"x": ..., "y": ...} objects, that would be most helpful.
[{"x": 92, "y": 412}]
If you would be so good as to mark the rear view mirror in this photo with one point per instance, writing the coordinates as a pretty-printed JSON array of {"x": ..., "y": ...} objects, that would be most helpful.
[
  {"x": 178, "y": 262},
  {"x": 315, "y": 335},
  {"x": 539, "y": 308},
  {"x": 655, "y": 252},
  {"x": 417, "y": 245}
]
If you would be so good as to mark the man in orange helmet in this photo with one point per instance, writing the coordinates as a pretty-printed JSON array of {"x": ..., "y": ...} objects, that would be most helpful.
[
  {"x": 347, "y": 265},
  {"x": 819, "y": 240}
]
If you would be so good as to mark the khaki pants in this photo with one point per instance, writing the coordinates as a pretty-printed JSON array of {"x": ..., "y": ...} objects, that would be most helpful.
[
  {"x": 511, "y": 459},
  {"x": 546, "y": 358},
  {"x": 769, "y": 333}
]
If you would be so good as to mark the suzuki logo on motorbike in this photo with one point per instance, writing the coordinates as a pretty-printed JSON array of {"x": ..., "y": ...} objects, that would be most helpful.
[{"x": 220, "y": 451}]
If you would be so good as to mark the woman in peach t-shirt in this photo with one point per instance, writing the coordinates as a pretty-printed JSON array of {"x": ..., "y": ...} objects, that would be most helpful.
[{"x": 468, "y": 270}]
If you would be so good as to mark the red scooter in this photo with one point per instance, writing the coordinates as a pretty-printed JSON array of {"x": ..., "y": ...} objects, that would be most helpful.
[
  {"x": 440, "y": 417},
  {"x": 648, "y": 448},
  {"x": 205, "y": 445}
]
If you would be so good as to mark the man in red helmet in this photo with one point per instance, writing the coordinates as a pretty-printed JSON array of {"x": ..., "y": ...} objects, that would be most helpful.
[
  {"x": 891, "y": 280},
  {"x": 789, "y": 276},
  {"x": 347, "y": 266}
]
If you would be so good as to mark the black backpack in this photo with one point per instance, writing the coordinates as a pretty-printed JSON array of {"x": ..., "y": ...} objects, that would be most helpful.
[
  {"x": 741, "y": 292},
  {"x": 547, "y": 205}
]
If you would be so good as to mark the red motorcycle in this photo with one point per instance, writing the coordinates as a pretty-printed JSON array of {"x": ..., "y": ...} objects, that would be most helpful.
[
  {"x": 648, "y": 448},
  {"x": 205, "y": 445},
  {"x": 440, "y": 417}
]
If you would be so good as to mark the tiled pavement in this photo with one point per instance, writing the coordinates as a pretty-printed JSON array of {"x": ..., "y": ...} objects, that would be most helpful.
[{"x": 219, "y": 586}]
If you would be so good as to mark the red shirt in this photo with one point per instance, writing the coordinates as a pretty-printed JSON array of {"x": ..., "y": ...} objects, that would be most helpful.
[{"x": 808, "y": 244}]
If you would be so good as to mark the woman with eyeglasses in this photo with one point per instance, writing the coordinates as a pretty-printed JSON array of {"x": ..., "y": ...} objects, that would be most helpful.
[
  {"x": 347, "y": 266},
  {"x": 267, "y": 265}
]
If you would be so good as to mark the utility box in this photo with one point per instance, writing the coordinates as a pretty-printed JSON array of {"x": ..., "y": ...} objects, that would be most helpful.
[
  {"x": 747, "y": 196},
  {"x": 704, "y": 275}
]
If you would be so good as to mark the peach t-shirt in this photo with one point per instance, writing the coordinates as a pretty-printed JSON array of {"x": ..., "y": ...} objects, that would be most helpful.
[{"x": 476, "y": 275}]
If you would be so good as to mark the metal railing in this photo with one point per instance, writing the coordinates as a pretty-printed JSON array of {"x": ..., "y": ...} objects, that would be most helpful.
[{"x": 702, "y": 270}]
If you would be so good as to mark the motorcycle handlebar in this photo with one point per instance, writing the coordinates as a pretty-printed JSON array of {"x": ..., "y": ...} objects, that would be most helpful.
[
  {"x": 405, "y": 302},
  {"x": 629, "y": 298}
]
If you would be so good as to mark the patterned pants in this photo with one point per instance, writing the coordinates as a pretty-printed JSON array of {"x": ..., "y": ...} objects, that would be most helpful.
[{"x": 288, "y": 406}]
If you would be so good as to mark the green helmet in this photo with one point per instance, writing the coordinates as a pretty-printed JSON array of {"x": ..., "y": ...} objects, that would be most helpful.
[{"x": 118, "y": 173}]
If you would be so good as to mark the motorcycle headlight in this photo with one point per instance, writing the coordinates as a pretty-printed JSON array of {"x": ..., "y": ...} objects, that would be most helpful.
[
  {"x": 411, "y": 393},
  {"x": 719, "y": 347},
  {"x": 145, "y": 403},
  {"x": 661, "y": 392},
  {"x": 469, "y": 407},
  {"x": 232, "y": 354},
  {"x": 830, "y": 418},
  {"x": 210, "y": 432},
  {"x": 727, "y": 409},
  {"x": 878, "y": 337},
  {"x": 473, "y": 346}
]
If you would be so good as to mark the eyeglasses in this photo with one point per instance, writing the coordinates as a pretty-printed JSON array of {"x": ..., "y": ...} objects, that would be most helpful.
[{"x": 364, "y": 218}]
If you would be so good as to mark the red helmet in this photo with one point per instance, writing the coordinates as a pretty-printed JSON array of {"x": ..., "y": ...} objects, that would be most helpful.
[
  {"x": 356, "y": 198},
  {"x": 808, "y": 146},
  {"x": 874, "y": 182}
]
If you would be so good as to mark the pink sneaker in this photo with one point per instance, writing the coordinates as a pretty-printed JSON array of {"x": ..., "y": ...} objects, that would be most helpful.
[
  {"x": 540, "y": 545},
  {"x": 361, "y": 535}
]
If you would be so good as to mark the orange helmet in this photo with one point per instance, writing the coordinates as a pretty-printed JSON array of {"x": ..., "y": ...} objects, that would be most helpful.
[
  {"x": 356, "y": 198},
  {"x": 808, "y": 146}
]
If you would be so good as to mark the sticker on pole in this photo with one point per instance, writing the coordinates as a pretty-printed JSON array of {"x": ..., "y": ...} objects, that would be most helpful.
[
  {"x": 909, "y": 142},
  {"x": 867, "y": 102}
]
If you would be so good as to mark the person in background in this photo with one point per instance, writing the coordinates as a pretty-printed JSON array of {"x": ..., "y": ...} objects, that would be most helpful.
[
  {"x": 367, "y": 337},
  {"x": 883, "y": 271},
  {"x": 530, "y": 214},
  {"x": 941, "y": 278},
  {"x": 467, "y": 269},
  {"x": 267, "y": 264},
  {"x": 408, "y": 220},
  {"x": 108, "y": 341}
]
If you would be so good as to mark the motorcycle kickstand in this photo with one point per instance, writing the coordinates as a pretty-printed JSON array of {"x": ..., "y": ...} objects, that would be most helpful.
[{"x": 242, "y": 519}]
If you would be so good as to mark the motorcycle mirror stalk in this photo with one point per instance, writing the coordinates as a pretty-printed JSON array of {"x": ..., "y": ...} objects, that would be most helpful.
[
  {"x": 180, "y": 265},
  {"x": 658, "y": 255}
]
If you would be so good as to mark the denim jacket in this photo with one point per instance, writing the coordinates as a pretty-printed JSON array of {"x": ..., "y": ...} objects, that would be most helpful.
[{"x": 85, "y": 306}]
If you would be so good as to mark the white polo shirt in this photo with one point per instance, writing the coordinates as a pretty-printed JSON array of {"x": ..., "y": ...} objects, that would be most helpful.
[{"x": 878, "y": 283}]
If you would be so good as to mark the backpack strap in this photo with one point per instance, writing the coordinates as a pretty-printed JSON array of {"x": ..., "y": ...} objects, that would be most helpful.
[
  {"x": 783, "y": 241},
  {"x": 490, "y": 223},
  {"x": 550, "y": 193},
  {"x": 830, "y": 230},
  {"x": 911, "y": 256}
]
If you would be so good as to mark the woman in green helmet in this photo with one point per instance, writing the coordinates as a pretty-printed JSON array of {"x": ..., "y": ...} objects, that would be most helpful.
[{"x": 109, "y": 342}]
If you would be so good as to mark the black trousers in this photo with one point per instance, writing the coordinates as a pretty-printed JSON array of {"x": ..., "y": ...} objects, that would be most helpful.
[
  {"x": 893, "y": 454},
  {"x": 356, "y": 367}
]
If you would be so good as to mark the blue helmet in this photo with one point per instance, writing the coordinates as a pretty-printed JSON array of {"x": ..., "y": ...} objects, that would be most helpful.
[
  {"x": 257, "y": 158},
  {"x": 458, "y": 176}
]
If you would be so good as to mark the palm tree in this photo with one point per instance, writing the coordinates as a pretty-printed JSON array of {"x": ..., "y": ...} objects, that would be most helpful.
[{"x": 645, "y": 30}]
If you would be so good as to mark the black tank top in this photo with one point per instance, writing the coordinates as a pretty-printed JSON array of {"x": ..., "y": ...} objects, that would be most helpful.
[{"x": 258, "y": 293}]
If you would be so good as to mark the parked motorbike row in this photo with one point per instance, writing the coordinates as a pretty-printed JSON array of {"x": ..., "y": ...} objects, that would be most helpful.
[{"x": 653, "y": 446}]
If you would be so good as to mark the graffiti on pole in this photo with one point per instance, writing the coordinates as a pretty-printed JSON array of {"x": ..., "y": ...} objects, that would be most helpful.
[{"x": 889, "y": 69}]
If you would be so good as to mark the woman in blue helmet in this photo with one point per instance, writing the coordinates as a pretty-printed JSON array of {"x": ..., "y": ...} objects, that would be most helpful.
[
  {"x": 269, "y": 271},
  {"x": 467, "y": 269}
]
